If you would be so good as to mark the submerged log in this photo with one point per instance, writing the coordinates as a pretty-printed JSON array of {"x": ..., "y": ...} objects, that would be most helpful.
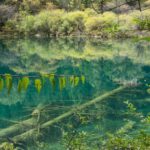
[
  {"x": 22, "y": 126},
  {"x": 17, "y": 128},
  {"x": 29, "y": 135}
]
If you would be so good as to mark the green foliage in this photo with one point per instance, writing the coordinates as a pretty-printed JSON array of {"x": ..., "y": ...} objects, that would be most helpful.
[
  {"x": 147, "y": 119},
  {"x": 130, "y": 106},
  {"x": 74, "y": 80},
  {"x": 124, "y": 138},
  {"x": 23, "y": 84},
  {"x": 38, "y": 85},
  {"x": 83, "y": 79},
  {"x": 102, "y": 25},
  {"x": 7, "y": 146},
  {"x": 62, "y": 83},
  {"x": 72, "y": 23},
  {"x": 9, "y": 82},
  {"x": 143, "y": 21},
  {"x": 59, "y": 23},
  {"x": 126, "y": 128},
  {"x": 75, "y": 140},
  {"x": 117, "y": 142},
  {"x": 26, "y": 25}
]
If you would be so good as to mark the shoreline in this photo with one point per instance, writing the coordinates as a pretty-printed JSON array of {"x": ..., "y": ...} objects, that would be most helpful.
[{"x": 128, "y": 35}]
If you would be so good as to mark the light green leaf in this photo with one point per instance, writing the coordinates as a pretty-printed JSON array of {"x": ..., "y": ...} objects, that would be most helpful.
[
  {"x": 62, "y": 83},
  {"x": 76, "y": 81},
  {"x": 38, "y": 85},
  {"x": 8, "y": 79},
  {"x": 25, "y": 83},
  {"x": 83, "y": 79}
]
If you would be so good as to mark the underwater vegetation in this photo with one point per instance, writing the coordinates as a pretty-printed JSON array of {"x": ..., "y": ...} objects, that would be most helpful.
[{"x": 93, "y": 95}]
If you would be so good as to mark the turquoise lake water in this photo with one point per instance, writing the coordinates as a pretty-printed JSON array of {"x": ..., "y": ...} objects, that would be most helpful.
[{"x": 106, "y": 65}]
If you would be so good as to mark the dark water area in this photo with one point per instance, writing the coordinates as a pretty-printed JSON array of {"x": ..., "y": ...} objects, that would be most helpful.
[{"x": 106, "y": 65}]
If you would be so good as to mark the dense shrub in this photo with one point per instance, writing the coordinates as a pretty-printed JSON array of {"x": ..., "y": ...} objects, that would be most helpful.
[
  {"x": 101, "y": 25},
  {"x": 143, "y": 20},
  {"x": 45, "y": 22},
  {"x": 26, "y": 25},
  {"x": 58, "y": 22},
  {"x": 73, "y": 22}
]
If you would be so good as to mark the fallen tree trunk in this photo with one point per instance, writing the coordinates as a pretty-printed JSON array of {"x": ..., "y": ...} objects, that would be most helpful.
[
  {"x": 17, "y": 128},
  {"x": 21, "y": 126},
  {"x": 27, "y": 136}
]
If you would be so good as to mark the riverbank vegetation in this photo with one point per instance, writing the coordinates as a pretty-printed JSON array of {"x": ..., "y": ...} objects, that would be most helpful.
[{"x": 55, "y": 18}]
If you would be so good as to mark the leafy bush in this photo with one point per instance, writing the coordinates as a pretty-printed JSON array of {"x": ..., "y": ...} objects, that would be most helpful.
[
  {"x": 139, "y": 142},
  {"x": 41, "y": 23},
  {"x": 73, "y": 22},
  {"x": 26, "y": 25},
  {"x": 143, "y": 21},
  {"x": 101, "y": 25},
  {"x": 58, "y": 22}
]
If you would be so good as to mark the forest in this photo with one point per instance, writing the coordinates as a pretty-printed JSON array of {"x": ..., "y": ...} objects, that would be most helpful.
[{"x": 74, "y": 74}]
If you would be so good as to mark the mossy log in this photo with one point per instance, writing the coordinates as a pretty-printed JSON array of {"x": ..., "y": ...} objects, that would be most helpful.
[{"x": 27, "y": 136}]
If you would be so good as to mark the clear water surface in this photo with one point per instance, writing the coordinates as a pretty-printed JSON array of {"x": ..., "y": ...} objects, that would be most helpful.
[{"x": 106, "y": 65}]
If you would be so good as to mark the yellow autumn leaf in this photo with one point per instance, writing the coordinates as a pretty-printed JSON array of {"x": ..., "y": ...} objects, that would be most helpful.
[
  {"x": 38, "y": 85},
  {"x": 62, "y": 83},
  {"x": 8, "y": 80}
]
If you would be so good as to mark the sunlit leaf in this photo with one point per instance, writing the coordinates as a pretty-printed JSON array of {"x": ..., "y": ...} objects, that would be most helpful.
[
  {"x": 25, "y": 83},
  {"x": 38, "y": 85},
  {"x": 1, "y": 84},
  {"x": 76, "y": 81},
  {"x": 62, "y": 83},
  {"x": 8, "y": 79}
]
